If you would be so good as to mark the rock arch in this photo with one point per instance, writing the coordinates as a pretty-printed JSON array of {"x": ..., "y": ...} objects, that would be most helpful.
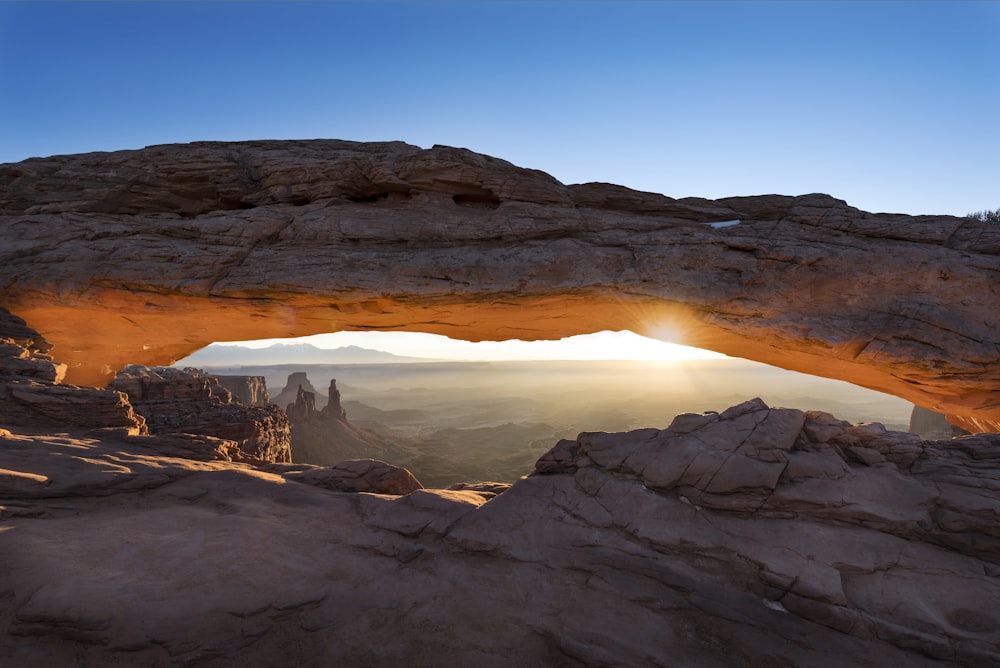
[{"x": 145, "y": 256}]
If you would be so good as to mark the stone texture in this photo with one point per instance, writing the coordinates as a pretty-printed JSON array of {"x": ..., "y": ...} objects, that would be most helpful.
[
  {"x": 236, "y": 241},
  {"x": 289, "y": 394},
  {"x": 325, "y": 436},
  {"x": 487, "y": 489},
  {"x": 931, "y": 425},
  {"x": 303, "y": 409},
  {"x": 190, "y": 401},
  {"x": 755, "y": 536},
  {"x": 247, "y": 390},
  {"x": 31, "y": 394},
  {"x": 360, "y": 475}
]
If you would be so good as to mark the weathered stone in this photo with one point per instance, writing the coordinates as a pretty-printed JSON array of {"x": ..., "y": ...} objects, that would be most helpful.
[
  {"x": 44, "y": 405},
  {"x": 235, "y": 241},
  {"x": 823, "y": 464},
  {"x": 198, "y": 560},
  {"x": 31, "y": 396},
  {"x": 333, "y": 410},
  {"x": 360, "y": 475},
  {"x": 190, "y": 401},
  {"x": 289, "y": 393},
  {"x": 325, "y": 436},
  {"x": 303, "y": 409},
  {"x": 487, "y": 490},
  {"x": 247, "y": 390},
  {"x": 931, "y": 425}
]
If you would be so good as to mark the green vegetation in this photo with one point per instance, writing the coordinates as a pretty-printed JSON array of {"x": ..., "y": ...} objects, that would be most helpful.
[{"x": 986, "y": 216}]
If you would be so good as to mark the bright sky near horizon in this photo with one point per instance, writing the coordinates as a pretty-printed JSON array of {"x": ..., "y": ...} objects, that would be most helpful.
[
  {"x": 892, "y": 106},
  {"x": 605, "y": 345}
]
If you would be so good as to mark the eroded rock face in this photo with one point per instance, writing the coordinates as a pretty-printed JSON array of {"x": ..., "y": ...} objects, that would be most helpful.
[
  {"x": 146, "y": 256},
  {"x": 931, "y": 425},
  {"x": 247, "y": 390},
  {"x": 325, "y": 436},
  {"x": 192, "y": 402},
  {"x": 360, "y": 475},
  {"x": 755, "y": 536},
  {"x": 783, "y": 463},
  {"x": 289, "y": 394},
  {"x": 31, "y": 394}
]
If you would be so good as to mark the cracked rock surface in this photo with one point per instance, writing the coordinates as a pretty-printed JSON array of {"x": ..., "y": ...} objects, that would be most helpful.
[
  {"x": 756, "y": 536},
  {"x": 146, "y": 256}
]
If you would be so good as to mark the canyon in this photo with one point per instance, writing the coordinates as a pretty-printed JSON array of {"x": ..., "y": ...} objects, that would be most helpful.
[
  {"x": 755, "y": 535},
  {"x": 189, "y": 401},
  {"x": 133, "y": 532}
]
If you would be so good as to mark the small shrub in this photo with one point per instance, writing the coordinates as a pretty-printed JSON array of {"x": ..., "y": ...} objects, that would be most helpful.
[{"x": 986, "y": 216}]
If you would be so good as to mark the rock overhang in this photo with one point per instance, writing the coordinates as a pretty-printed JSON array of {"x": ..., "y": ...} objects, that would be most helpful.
[{"x": 145, "y": 256}]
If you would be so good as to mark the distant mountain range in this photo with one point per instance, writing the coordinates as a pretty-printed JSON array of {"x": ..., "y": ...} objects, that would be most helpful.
[{"x": 217, "y": 355}]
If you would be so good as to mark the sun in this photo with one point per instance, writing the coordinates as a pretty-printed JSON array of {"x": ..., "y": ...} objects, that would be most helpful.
[{"x": 633, "y": 346}]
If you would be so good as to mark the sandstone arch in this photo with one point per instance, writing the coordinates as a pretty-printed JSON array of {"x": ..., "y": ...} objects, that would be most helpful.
[{"x": 145, "y": 256}]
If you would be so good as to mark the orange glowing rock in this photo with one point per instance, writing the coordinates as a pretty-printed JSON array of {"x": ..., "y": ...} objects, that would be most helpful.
[{"x": 146, "y": 256}]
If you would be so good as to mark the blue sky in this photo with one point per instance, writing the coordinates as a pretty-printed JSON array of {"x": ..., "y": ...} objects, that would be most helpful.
[{"x": 892, "y": 106}]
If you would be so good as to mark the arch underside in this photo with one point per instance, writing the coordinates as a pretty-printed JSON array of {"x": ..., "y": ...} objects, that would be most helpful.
[{"x": 331, "y": 236}]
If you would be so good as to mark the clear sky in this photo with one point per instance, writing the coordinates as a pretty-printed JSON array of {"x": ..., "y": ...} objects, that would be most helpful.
[{"x": 892, "y": 106}]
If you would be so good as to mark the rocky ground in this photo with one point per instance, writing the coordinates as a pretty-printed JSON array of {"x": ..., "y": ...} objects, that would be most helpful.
[
  {"x": 754, "y": 536},
  {"x": 757, "y": 536}
]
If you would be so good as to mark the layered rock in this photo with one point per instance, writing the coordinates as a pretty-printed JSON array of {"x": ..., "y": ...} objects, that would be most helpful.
[
  {"x": 299, "y": 380},
  {"x": 31, "y": 394},
  {"x": 247, "y": 390},
  {"x": 325, "y": 436},
  {"x": 360, "y": 475},
  {"x": 193, "y": 402},
  {"x": 303, "y": 409},
  {"x": 784, "y": 463},
  {"x": 931, "y": 425},
  {"x": 755, "y": 536},
  {"x": 333, "y": 410},
  {"x": 24, "y": 353},
  {"x": 235, "y": 241}
]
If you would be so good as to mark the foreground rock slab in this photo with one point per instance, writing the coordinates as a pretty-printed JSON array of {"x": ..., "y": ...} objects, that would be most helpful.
[
  {"x": 146, "y": 256},
  {"x": 757, "y": 536}
]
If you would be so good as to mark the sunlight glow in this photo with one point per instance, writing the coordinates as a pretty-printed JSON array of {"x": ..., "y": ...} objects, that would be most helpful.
[{"x": 606, "y": 345}]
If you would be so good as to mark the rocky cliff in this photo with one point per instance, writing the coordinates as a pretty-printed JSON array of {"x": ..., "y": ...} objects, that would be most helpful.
[
  {"x": 192, "y": 402},
  {"x": 31, "y": 394},
  {"x": 289, "y": 394},
  {"x": 145, "y": 256},
  {"x": 931, "y": 425},
  {"x": 325, "y": 436},
  {"x": 247, "y": 390},
  {"x": 752, "y": 537}
]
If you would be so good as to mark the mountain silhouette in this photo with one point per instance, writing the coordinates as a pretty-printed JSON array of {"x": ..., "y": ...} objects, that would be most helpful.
[{"x": 222, "y": 355}]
